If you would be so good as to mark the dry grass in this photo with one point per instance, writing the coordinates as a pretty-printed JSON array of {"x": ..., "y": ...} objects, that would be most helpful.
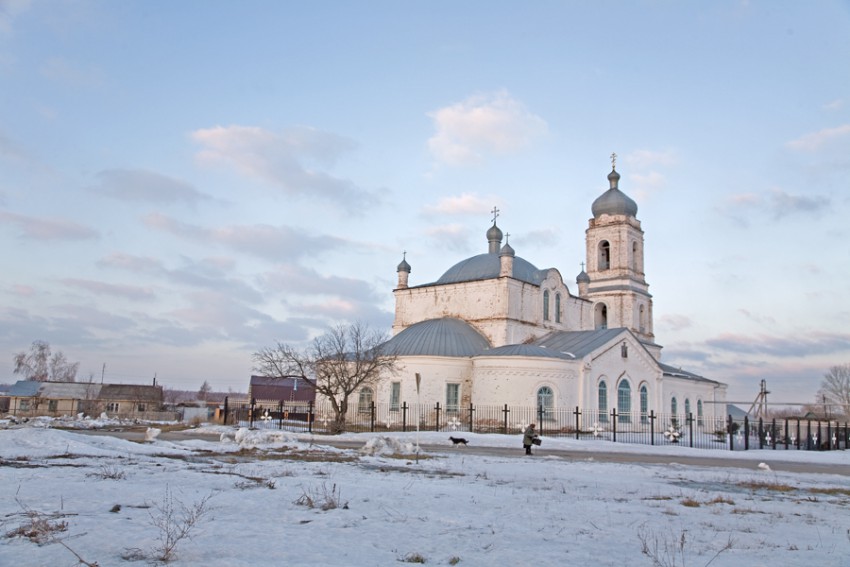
[
  {"x": 768, "y": 486},
  {"x": 690, "y": 503}
]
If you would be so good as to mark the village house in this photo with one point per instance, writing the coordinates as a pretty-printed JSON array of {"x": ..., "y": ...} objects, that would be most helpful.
[{"x": 29, "y": 398}]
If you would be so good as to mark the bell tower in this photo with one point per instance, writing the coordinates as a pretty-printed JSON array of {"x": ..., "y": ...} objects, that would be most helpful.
[{"x": 617, "y": 285}]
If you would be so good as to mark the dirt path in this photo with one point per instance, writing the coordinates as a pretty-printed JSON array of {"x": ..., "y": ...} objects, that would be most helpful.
[{"x": 700, "y": 459}]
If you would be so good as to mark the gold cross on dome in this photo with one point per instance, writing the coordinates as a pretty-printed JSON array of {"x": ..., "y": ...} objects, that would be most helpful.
[
  {"x": 495, "y": 212},
  {"x": 613, "y": 161}
]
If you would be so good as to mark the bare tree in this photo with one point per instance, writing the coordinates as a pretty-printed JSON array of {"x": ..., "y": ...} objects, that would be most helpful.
[
  {"x": 337, "y": 364},
  {"x": 41, "y": 365},
  {"x": 204, "y": 391},
  {"x": 834, "y": 391}
]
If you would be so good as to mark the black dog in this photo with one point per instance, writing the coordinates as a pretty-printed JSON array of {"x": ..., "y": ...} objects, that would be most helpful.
[{"x": 458, "y": 440}]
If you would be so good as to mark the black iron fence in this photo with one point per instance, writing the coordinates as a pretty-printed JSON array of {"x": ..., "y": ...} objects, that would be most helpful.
[{"x": 647, "y": 428}]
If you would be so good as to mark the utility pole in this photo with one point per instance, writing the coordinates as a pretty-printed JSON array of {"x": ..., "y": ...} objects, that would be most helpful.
[{"x": 102, "y": 372}]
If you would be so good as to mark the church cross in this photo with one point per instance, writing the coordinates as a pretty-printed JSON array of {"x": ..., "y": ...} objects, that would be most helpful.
[
  {"x": 495, "y": 212},
  {"x": 582, "y": 266},
  {"x": 613, "y": 161},
  {"x": 507, "y": 237}
]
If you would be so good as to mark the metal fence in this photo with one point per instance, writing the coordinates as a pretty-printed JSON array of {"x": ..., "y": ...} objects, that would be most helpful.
[{"x": 649, "y": 428}]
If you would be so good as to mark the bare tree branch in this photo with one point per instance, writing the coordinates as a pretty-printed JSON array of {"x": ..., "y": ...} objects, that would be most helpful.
[{"x": 337, "y": 364}]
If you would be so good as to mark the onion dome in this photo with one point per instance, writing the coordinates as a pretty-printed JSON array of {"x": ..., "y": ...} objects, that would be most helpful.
[
  {"x": 613, "y": 201},
  {"x": 494, "y": 238},
  {"x": 583, "y": 277},
  {"x": 404, "y": 266},
  {"x": 507, "y": 250}
]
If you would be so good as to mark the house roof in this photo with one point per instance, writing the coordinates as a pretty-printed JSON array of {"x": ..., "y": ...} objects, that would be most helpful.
[
  {"x": 675, "y": 372},
  {"x": 578, "y": 343},
  {"x": 437, "y": 337},
  {"x": 527, "y": 350},
  {"x": 24, "y": 388},
  {"x": 69, "y": 390},
  {"x": 131, "y": 392}
]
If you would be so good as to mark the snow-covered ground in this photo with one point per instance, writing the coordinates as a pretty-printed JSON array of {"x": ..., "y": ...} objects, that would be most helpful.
[{"x": 272, "y": 498}]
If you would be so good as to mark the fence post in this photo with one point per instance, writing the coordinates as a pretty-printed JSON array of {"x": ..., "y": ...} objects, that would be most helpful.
[
  {"x": 829, "y": 434},
  {"x": 471, "y": 410},
  {"x": 691, "y": 430},
  {"x": 226, "y": 400},
  {"x": 786, "y": 433},
  {"x": 652, "y": 418},
  {"x": 310, "y": 416},
  {"x": 729, "y": 423},
  {"x": 280, "y": 414},
  {"x": 506, "y": 411},
  {"x": 251, "y": 415},
  {"x": 820, "y": 438},
  {"x": 761, "y": 433},
  {"x": 746, "y": 433},
  {"x": 404, "y": 417},
  {"x": 614, "y": 423},
  {"x": 438, "y": 416},
  {"x": 578, "y": 424},
  {"x": 372, "y": 416},
  {"x": 808, "y": 435},
  {"x": 540, "y": 417}
]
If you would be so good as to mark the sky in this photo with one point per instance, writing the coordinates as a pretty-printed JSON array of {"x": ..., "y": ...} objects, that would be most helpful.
[
  {"x": 183, "y": 184},
  {"x": 451, "y": 507}
]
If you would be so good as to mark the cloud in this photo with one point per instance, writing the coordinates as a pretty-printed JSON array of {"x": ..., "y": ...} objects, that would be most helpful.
[
  {"x": 836, "y": 104},
  {"x": 207, "y": 273},
  {"x": 62, "y": 71},
  {"x": 10, "y": 150},
  {"x": 261, "y": 240},
  {"x": 47, "y": 229},
  {"x": 9, "y": 10},
  {"x": 145, "y": 186},
  {"x": 451, "y": 236},
  {"x": 674, "y": 322},
  {"x": 131, "y": 292},
  {"x": 815, "y": 140},
  {"x": 541, "y": 238},
  {"x": 810, "y": 344},
  {"x": 776, "y": 203},
  {"x": 483, "y": 125},
  {"x": 642, "y": 159},
  {"x": 290, "y": 160},
  {"x": 464, "y": 204},
  {"x": 295, "y": 279}
]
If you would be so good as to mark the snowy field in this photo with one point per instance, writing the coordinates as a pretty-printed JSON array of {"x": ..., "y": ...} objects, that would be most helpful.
[{"x": 270, "y": 498}]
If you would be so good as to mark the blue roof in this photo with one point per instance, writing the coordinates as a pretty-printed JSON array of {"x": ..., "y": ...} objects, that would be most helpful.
[
  {"x": 25, "y": 388},
  {"x": 487, "y": 266},
  {"x": 438, "y": 337}
]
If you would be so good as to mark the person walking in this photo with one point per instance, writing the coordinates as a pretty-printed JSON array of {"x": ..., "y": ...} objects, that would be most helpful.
[{"x": 528, "y": 437}]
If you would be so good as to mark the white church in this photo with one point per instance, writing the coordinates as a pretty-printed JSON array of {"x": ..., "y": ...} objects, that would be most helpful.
[{"x": 494, "y": 329}]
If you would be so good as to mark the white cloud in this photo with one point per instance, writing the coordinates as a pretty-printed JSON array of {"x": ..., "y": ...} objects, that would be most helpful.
[
  {"x": 147, "y": 186},
  {"x": 649, "y": 158},
  {"x": 836, "y": 104},
  {"x": 48, "y": 229},
  {"x": 482, "y": 125},
  {"x": 815, "y": 140},
  {"x": 291, "y": 159},
  {"x": 62, "y": 71},
  {"x": 9, "y": 10},
  {"x": 260, "y": 240},
  {"x": 467, "y": 203}
]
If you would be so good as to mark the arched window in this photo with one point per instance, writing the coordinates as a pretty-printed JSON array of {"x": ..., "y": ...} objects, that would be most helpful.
[
  {"x": 557, "y": 307},
  {"x": 644, "y": 404},
  {"x": 546, "y": 305},
  {"x": 604, "y": 255},
  {"x": 545, "y": 401},
  {"x": 364, "y": 402},
  {"x": 642, "y": 319},
  {"x": 601, "y": 316},
  {"x": 624, "y": 401},
  {"x": 635, "y": 265},
  {"x": 699, "y": 413},
  {"x": 603, "y": 401},
  {"x": 687, "y": 408},
  {"x": 674, "y": 406}
]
